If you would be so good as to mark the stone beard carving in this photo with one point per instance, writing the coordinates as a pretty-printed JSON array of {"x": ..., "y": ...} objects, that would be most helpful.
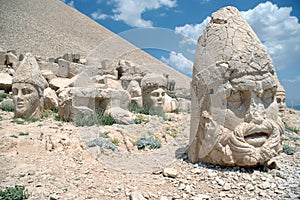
[
  {"x": 153, "y": 92},
  {"x": 234, "y": 119},
  {"x": 27, "y": 89}
]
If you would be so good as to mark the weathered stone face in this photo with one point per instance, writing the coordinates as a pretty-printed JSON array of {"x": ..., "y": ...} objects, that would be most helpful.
[
  {"x": 156, "y": 99},
  {"x": 28, "y": 87},
  {"x": 153, "y": 91},
  {"x": 26, "y": 100},
  {"x": 234, "y": 119}
]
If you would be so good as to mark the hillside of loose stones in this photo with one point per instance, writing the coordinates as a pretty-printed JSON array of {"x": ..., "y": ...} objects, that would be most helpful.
[{"x": 53, "y": 161}]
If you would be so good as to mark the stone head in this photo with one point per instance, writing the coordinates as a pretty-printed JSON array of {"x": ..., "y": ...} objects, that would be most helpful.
[
  {"x": 27, "y": 89},
  {"x": 234, "y": 119},
  {"x": 153, "y": 91}
]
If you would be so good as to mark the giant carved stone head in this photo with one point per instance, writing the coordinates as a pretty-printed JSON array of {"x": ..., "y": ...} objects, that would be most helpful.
[
  {"x": 153, "y": 91},
  {"x": 28, "y": 88},
  {"x": 234, "y": 119}
]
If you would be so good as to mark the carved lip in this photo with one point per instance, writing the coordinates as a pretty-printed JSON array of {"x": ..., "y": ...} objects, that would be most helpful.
[
  {"x": 20, "y": 105},
  {"x": 257, "y": 136}
]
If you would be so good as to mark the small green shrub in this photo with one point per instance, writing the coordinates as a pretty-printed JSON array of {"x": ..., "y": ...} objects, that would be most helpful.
[
  {"x": 4, "y": 95},
  {"x": 176, "y": 111},
  {"x": 135, "y": 108},
  {"x": 104, "y": 134},
  {"x": 172, "y": 132},
  {"x": 23, "y": 133},
  {"x": 14, "y": 193},
  {"x": 140, "y": 119},
  {"x": 98, "y": 118},
  {"x": 102, "y": 143},
  {"x": 107, "y": 120},
  {"x": 289, "y": 150},
  {"x": 115, "y": 141},
  {"x": 7, "y": 106},
  {"x": 18, "y": 121},
  {"x": 150, "y": 142}
]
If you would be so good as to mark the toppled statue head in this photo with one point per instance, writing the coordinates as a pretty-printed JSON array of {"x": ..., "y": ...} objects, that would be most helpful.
[
  {"x": 28, "y": 88},
  {"x": 234, "y": 119},
  {"x": 153, "y": 91}
]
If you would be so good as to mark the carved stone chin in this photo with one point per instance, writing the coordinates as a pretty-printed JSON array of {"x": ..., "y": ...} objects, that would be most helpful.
[{"x": 234, "y": 120}]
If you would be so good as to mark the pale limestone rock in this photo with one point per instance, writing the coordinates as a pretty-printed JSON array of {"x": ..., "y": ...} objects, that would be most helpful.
[
  {"x": 234, "y": 118},
  {"x": 28, "y": 88},
  {"x": 135, "y": 92},
  {"x": 57, "y": 83},
  {"x": 120, "y": 115},
  {"x": 170, "y": 104},
  {"x": 2, "y": 57},
  {"x": 5, "y": 81},
  {"x": 11, "y": 59},
  {"x": 63, "y": 68},
  {"x": 184, "y": 105},
  {"x": 77, "y": 101},
  {"x": 50, "y": 99}
]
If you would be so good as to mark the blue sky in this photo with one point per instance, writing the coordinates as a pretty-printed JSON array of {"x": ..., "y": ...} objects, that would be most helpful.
[{"x": 169, "y": 29}]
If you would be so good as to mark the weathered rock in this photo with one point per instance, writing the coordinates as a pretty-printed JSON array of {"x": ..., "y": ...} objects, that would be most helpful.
[
  {"x": 234, "y": 119},
  {"x": 63, "y": 69},
  {"x": 5, "y": 81},
  {"x": 120, "y": 115},
  {"x": 170, "y": 104},
  {"x": 136, "y": 196},
  {"x": 28, "y": 88},
  {"x": 2, "y": 57},
  {"x": 11, "y": 59},
  {"x": 280, "y": 97},
  {"x": 50, "y": 99},
  {"x": 170, "y": 172}
]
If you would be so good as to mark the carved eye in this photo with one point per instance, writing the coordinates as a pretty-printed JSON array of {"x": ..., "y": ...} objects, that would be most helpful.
[
  {"x": 235, "y": 100},
  {"x": 155, "y": 94},
  {"x": 163, "y": 94},
  {"x": 14, "y": 91},
  {"x": 268, "y": 96},
  {"x": 26, "y": 91}
]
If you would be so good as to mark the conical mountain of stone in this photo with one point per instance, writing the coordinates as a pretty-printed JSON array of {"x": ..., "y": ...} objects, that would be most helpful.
[
  {"x": 50, "y": 28},
  {"x": 234, "y": 118}
]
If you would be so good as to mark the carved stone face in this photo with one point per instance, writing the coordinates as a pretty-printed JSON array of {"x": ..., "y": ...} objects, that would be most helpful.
[
  {"x": 26, "y": 100},
  {"x": 156, "y": 99},
  {"x": 280, "y": 98},
  {"x": 251, "y": 131}
]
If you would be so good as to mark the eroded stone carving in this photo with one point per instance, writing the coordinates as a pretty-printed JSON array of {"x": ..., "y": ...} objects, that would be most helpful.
[
  {"x": 234, "y": 118},
  {"x": 153, "y": 91},
  {"x": 280, "y": 98},
  {"x": 27, "y": 89}
]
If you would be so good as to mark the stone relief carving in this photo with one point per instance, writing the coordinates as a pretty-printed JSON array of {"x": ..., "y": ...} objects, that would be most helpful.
[
  {"x": 234, "y": 119},
  {"x": 27, "y": 89}
]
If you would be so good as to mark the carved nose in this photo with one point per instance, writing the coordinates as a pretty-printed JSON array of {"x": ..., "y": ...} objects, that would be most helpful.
[{"x": 256, "y": 111}]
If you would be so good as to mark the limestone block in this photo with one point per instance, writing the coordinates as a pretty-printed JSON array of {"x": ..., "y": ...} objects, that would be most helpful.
[
  {"x": 120, "y": 115},
  {"x": 5, "y": 81},
  {"x": 50, "y": 99},
  {"x": 184, "y": 105},
  {"x": 2, "y": 57},
  {"x": 170, "y": 104},
  {"x": 11, "y": 59},
  {"x": 49, "y": 66},
  {"x": 57, "y": 83},
  {"x": 63, "y": 68}
]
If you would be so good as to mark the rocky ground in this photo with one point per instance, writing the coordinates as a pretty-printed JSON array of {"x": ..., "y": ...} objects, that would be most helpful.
[{"x": 57, "y": 160}]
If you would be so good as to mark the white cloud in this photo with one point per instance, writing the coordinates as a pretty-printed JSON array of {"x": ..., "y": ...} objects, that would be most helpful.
[
  {"x": 99, "y": 15},
  {"x": 191, "y": 32},
  {"x": 279, "y": 32},
  {"x": 297, "y": 79},
  {"x": 71, "y": 3},
  {"x": 130, "y": 11},
  {"x": 180, "y": 62},
  {"x": 276, "y": 28}
]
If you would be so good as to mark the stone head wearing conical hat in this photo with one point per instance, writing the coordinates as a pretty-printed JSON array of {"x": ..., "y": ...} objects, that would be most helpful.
[
  {"x": 234, "y": 119},
  {"x": 28, "y": 88}
]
